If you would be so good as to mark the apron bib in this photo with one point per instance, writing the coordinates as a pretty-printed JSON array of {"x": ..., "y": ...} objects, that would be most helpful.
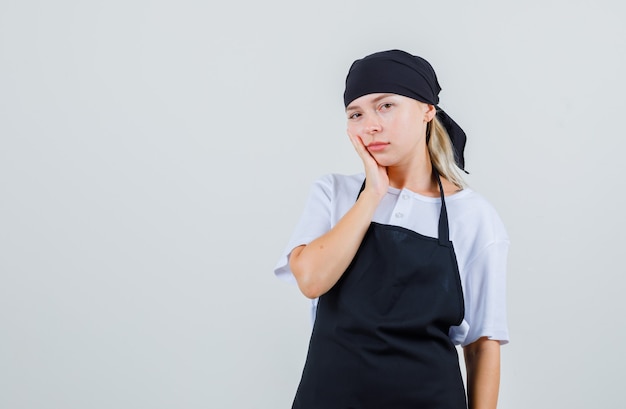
[{"x": 380, "y": 338}]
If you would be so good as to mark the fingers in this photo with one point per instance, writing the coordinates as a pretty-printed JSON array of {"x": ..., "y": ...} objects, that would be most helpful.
[
  {"x": 356, "y": 142},
  {"x": 360, "y": 148},
  {"x": 377, "y": 178}
]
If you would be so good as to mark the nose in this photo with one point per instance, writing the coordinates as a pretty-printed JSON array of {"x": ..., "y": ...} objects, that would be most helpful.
[{"x": 372, "y": 125}]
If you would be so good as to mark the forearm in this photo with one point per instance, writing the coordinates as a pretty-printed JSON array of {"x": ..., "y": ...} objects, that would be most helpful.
[
  {"x": 482, "y": 361},
  {"x": 319, "y": 265}
]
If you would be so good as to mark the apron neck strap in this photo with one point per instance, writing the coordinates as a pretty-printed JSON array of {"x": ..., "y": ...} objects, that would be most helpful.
[{"x": 444, "y": 233}]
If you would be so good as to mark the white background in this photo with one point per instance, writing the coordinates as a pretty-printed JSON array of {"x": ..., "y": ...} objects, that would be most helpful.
[{"x": 155, "y": 156}]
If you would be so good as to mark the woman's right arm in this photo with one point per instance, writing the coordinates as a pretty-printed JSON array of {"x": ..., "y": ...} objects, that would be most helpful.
[{"x": 318, "y": 265}]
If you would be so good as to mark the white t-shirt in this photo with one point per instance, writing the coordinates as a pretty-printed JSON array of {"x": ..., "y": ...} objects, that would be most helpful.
[{"x": 476, "y": 231}]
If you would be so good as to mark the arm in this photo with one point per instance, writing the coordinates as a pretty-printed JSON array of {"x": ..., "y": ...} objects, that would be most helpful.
[
  {"x": 318, "y": 265},
  {"x": 482, "y": 361}
]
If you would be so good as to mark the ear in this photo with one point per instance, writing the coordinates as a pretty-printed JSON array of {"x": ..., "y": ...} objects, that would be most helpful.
[{"x": 430, "y": 113}]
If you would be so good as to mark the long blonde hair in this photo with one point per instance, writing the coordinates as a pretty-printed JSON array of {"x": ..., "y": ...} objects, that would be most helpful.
[{"x": 442, "y": 153}]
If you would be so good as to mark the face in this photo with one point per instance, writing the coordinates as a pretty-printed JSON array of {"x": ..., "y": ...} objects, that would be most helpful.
[{"x": 392, "y": 127}]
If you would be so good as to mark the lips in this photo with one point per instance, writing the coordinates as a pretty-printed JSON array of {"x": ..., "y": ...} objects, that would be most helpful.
[{"x": 377, "y": 146}]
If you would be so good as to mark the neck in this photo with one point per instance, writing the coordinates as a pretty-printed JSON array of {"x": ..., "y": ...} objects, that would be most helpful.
[{"x": 416, "y": 176}]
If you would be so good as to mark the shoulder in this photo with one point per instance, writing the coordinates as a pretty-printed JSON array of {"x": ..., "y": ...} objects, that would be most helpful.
[
  {"x": 474, "y": 212},
  {"x": 335, "y": 184}
]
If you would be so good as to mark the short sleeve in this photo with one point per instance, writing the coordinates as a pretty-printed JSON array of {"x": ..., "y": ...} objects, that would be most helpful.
[
  {"x": 484, "y": 291},
  {"x": 314, "y": 221}
]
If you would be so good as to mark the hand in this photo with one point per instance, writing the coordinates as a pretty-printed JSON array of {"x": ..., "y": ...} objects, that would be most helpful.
[{"x": 377, "y": 180}]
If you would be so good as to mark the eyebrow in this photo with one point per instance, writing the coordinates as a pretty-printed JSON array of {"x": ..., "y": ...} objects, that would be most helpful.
[{"x": 378, "y": 98}]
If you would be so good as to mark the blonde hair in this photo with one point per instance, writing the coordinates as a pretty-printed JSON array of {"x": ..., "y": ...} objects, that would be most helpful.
[{"x": 442, "y": 153}]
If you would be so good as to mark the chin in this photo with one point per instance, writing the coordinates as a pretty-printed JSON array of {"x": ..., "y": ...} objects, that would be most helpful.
[{"x": 385, "y": 162}]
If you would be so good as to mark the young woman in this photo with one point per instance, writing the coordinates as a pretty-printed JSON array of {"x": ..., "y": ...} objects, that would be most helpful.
[{"x": 403, "y": 261}]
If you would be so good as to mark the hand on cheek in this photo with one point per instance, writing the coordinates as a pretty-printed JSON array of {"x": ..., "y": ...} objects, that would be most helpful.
[{"x": 376, "y": 175}]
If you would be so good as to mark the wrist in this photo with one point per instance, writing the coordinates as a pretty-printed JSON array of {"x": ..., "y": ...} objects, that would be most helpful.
[{"x": 369, "y": 199}]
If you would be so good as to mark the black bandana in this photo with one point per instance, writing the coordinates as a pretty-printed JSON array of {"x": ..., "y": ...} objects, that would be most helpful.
[{"x": 401, "y": 73}]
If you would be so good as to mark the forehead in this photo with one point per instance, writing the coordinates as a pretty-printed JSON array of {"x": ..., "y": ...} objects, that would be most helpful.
[{"x": 369, "y": 99}]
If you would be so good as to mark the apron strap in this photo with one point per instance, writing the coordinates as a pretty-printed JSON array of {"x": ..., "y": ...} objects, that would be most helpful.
[
  {"x": 361, "y": 190},
  {"x": 444, "y": 233}
]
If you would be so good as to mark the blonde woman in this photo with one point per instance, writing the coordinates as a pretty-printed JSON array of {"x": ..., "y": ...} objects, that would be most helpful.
[{"x": 402, "y": 261}]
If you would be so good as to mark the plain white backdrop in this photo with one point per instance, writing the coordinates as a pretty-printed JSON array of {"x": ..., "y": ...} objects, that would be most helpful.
[{"x": 155, "y": 155}]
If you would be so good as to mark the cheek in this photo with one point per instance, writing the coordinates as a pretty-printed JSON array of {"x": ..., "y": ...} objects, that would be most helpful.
[
  {"x": 413, "y": 126},
  {"x": 353, "y": 129}
]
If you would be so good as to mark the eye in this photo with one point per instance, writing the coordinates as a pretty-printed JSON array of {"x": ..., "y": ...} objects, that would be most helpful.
[
  {"x": 386, "y": 106},
  {"x": 354, "y": 115}
]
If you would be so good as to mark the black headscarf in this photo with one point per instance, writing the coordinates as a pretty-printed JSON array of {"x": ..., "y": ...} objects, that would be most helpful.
[{"x": 398, "y": 72}]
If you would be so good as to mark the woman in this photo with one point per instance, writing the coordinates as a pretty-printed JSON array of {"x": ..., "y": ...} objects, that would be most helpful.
[{"x": 404, "y": 261}]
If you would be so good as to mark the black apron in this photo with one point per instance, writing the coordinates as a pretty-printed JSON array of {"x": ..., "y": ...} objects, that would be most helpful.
[{"x": 380, "y": 338}]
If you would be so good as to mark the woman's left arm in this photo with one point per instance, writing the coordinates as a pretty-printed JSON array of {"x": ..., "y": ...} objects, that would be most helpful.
[{"x": 482, "y": 362}]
